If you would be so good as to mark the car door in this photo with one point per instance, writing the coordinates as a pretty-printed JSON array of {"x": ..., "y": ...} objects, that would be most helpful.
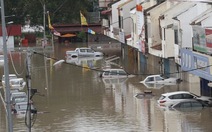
[
  {"x": 90, "y": 52},
  {"x": 158, "y": 79},
  {"x": 113, "y": 74},
  {"x": 150, "y": 80},
  {"x": 175, "y": 98}
]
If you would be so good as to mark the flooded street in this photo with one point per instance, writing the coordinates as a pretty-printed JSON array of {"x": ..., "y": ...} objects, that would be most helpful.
[{"x": 73, "y": 98}]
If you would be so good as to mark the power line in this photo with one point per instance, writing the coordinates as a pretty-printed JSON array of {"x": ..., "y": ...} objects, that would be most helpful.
[
  {"x": 19, "y": 74},
  {"x": 100, "y": 70}
]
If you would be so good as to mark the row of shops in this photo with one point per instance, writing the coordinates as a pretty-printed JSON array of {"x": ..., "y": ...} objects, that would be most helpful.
[
  {"x": 165, "y": 37},
  {"x": 195, "y": 67}
]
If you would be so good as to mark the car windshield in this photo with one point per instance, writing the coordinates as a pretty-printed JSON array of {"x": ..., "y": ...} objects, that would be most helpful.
[
  {"x": 23, "y": 106},
  {"x": 122, "y": 73},
  {"x": 149, "y": 79},
  {"x": 195, "y": 95},
  {"x": 82, "y": 50},
  {"x": 17, "y": 94},
  {"x": 21, "y": 99},
  {"x": 113, "y": 73},
  {"x": 90, "y": 50},
  {"x": 158, "y": 78},
  {"x": 15, "y": 82}
]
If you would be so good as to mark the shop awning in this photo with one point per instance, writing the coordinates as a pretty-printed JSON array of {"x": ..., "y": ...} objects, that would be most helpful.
[{"x": 68, "y": 35}]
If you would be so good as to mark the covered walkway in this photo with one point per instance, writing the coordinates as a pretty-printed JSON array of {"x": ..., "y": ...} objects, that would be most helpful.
[{"x": 74, "y": 28}]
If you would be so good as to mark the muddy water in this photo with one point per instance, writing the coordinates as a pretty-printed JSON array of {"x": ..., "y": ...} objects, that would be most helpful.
[{"x": 75, "y": 99}]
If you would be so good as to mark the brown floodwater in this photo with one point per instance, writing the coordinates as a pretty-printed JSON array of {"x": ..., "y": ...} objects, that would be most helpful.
[{"x": 73, "y": 98}]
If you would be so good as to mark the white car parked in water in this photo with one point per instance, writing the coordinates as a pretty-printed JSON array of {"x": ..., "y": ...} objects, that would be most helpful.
[
  {"x": 17, "y": 83},
  {"x": 158, "y": 79},
  {"x": 168, "y": 99},
  {"x": 115, "y": 73},
  {"x": 11, "y": 76},
  {"x": 83, "y": 52}
]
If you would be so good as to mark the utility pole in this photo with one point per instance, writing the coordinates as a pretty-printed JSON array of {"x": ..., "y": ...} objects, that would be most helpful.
[
  {"x": 6, "y": 72},
  {"x": 28, "y": 76},
  {"x": 44, "y": 24}
]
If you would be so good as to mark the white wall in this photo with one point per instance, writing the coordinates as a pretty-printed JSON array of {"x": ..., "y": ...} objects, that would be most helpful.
[
  {"x": 185, "y": 20},
  {"x": 207, "y": 22},
  {"x": 154, "y": 29},
  {"x": 126, "y": 16},
  {"x": 114, "y": 23},
  {"x": 168, "y": 25}
]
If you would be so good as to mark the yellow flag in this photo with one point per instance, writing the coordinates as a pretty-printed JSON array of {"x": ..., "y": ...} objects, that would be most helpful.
[
  {"x": 49, "y": 22},
  {"x": 83, "y": 19}
]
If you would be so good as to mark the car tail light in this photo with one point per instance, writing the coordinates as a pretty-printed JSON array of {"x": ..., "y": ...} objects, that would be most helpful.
[{"x": 162, "y": 101}]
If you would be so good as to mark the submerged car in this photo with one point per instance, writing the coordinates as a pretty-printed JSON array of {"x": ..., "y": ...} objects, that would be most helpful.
[
  {"x": 189, "y": 105},
  {"x": 111, "y": 82},
  {"x": 1, "y": 60},
  {"x": 153, "y": 85},
  {"x": 171, "y": 98},
  {"x": 17, "y": 95},
  {"x": 17, "y": 83},
  {"x": 158, "y": 79},
  {"x": 11, "y": 76},
  {"x": 83, "y": 52},
  {"x": 83, "y": 60},
  {"x": 22, "y": 107},
  {"x": 114, "y": 73}
]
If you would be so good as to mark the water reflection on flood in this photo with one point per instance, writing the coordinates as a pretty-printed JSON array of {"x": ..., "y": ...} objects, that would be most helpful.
[{"x": 72, "y": 98}]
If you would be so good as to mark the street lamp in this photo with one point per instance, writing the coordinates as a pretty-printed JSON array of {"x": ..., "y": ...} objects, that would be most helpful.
[{"x": 6, "y": 71}]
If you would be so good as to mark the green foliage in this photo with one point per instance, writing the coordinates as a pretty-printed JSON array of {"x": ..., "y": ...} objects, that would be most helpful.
[
  {"x": 63, "y": 12},
  {"x": 81, "y": 35}
]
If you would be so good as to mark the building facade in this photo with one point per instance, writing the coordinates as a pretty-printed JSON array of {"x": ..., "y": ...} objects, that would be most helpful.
[{"x": 171, "y": 37}]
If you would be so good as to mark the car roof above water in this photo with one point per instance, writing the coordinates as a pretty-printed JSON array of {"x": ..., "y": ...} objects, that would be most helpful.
[
  {"x": 176, "y": 92},
  {"x": 115, "y": 69},
  {"x": 14, "y": 94}
]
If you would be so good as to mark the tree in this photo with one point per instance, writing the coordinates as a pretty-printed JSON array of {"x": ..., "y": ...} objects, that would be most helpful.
[{"x": 62, "y": 12}]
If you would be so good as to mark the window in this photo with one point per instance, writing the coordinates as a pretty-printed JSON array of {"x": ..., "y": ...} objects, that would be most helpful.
[
  {"x": 188, "y": 96},
  {"x": 122, "y": 73},
  {"x": 177, "y": 96},
  {"x": 90, "y": 50},
  {"x": 150, "y": 79},
  {"x": 106, "y": 73},
  {"x": 164, "y": 34},
  {"x": 158, "y": 78},
  {"x": 82, "y": 50},
  {"x": 113, "y": 73},
  {"x": 176, "y": 36}
]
